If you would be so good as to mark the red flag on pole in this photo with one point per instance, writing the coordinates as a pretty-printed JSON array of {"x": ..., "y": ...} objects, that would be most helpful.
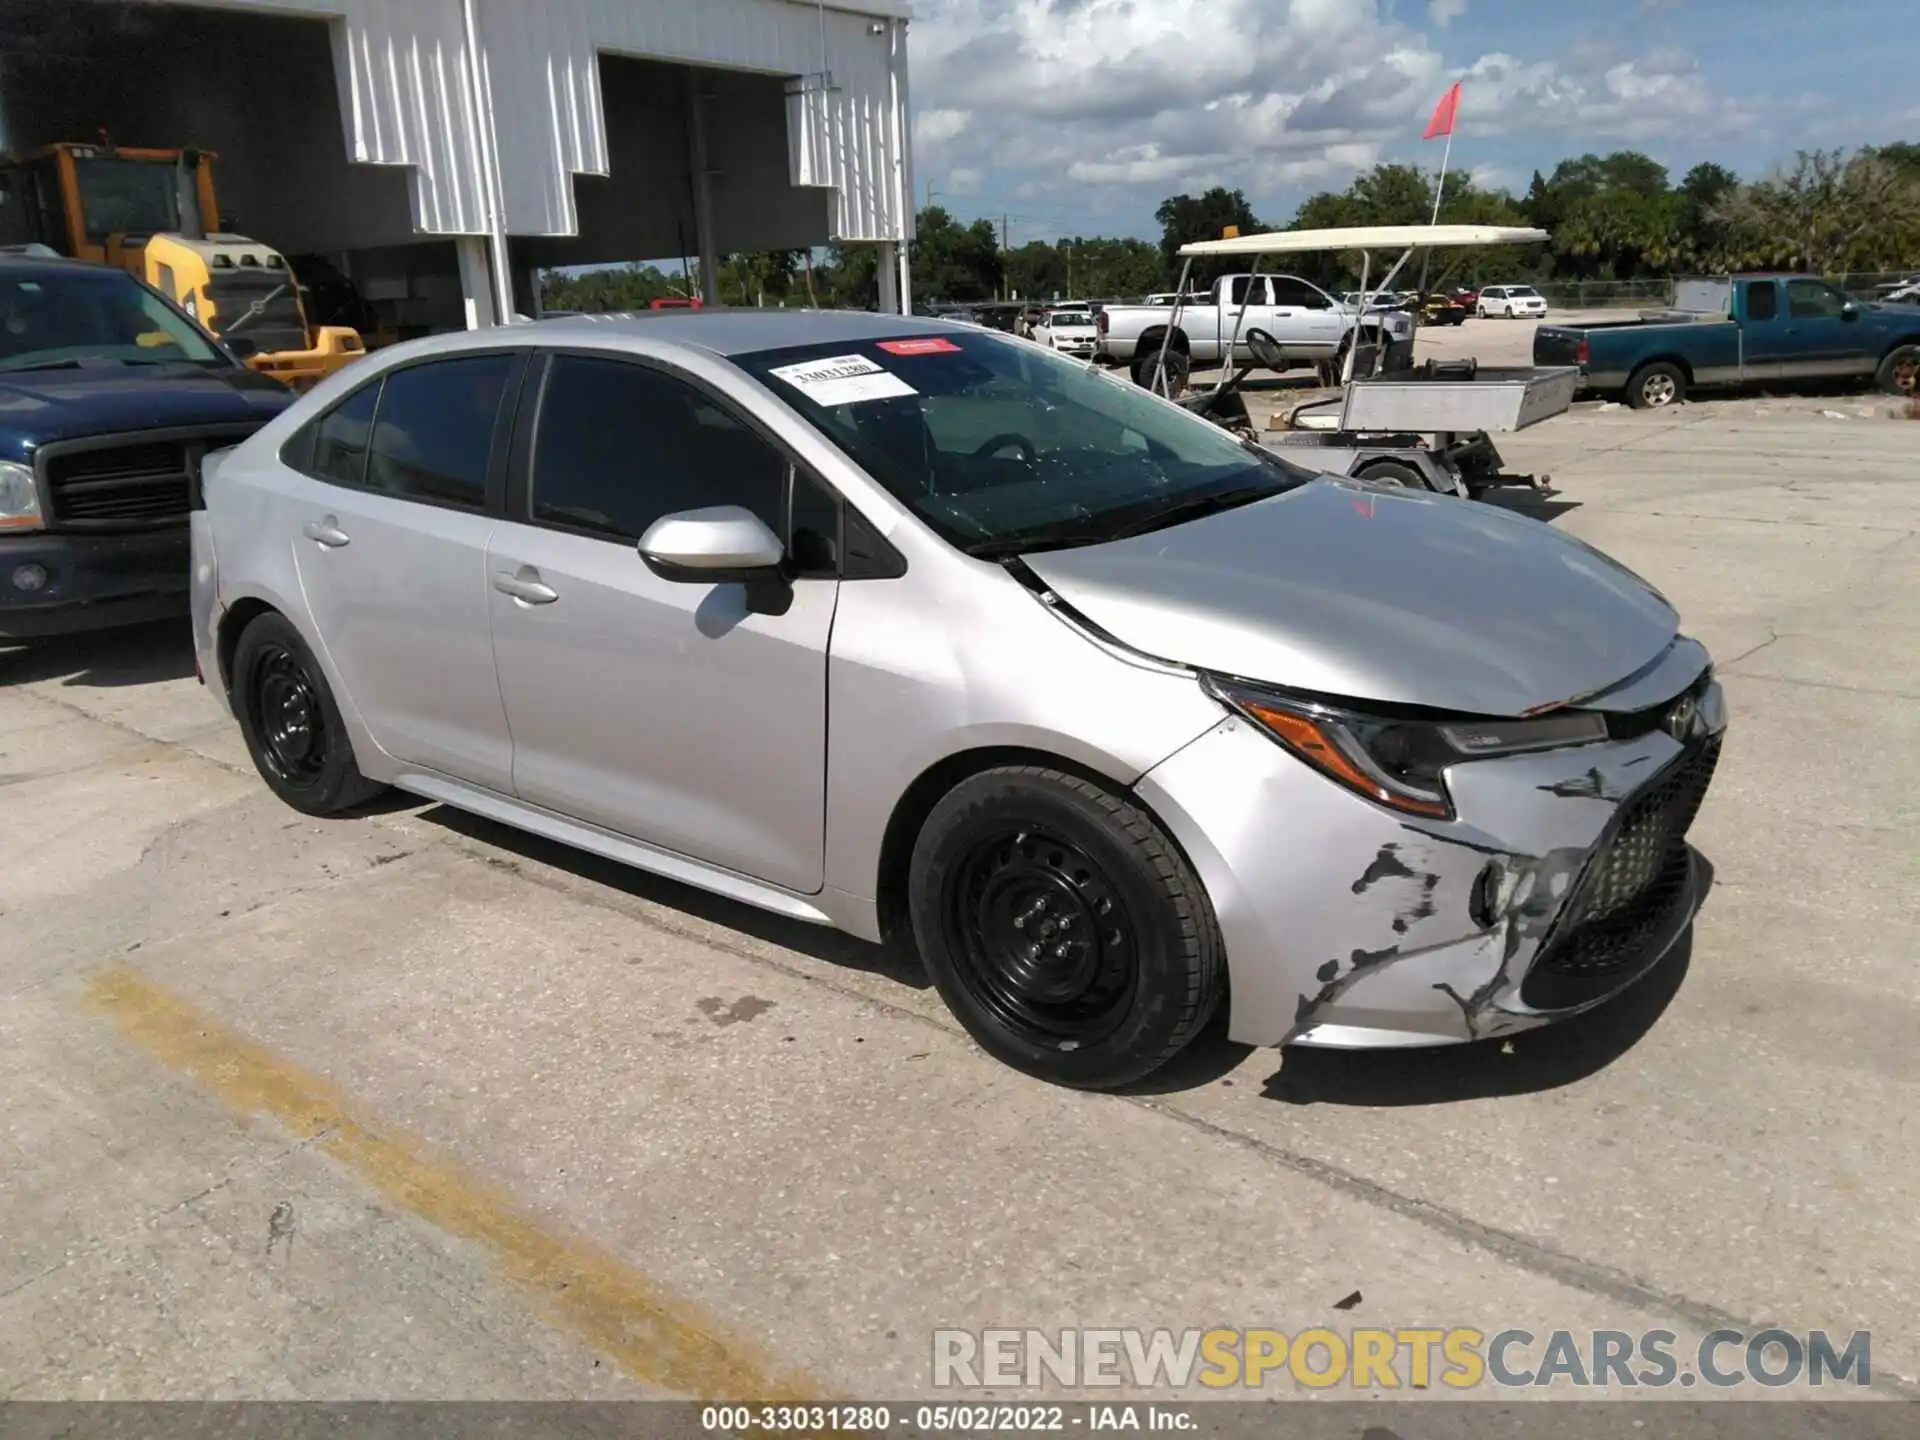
[{"x": 1443, "y": 113}]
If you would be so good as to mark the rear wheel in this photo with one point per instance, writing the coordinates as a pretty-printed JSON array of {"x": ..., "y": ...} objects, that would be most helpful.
[
  {"x": 1899, "y": 373},
  {"x": 1064, "y": 929},
  {"x": 290, "y": 722},
  {"x": 1656, "y": 386}
]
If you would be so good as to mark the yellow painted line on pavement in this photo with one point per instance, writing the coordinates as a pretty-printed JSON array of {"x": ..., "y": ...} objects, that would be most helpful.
[{"x": 571, "y": 1282}]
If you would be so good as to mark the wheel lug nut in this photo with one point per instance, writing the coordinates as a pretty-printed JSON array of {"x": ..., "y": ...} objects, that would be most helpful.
[
  {"x": 1066, "y": 922},
  {"x": 1033, "y": 952},
  {"x": 1019, "y": 922},
  {"x": 1060, "y": 951}
]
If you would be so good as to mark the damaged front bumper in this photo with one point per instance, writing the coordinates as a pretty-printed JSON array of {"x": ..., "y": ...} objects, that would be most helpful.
[{"x": 1564, "y": 879}]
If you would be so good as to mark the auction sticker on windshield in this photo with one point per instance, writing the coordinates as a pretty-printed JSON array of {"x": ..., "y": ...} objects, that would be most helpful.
[
  {"x": 842, "y": 380},
  {"x": 928, "y": 345}
]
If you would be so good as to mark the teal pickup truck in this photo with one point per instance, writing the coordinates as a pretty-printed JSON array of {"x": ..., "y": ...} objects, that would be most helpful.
[{"x": 1748, "y": 330}]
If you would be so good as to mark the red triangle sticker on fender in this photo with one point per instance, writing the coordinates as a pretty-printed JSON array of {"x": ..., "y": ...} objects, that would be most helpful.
[{"x": 1365, "y": 507}]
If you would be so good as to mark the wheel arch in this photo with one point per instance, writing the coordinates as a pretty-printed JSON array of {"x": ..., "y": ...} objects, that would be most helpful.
[
  {"x": 1679, "y": 362},
  {"x": 1150, "y": 341},
  {"x": 240, "y": 611},
  {"x": 916, "y": 803}
]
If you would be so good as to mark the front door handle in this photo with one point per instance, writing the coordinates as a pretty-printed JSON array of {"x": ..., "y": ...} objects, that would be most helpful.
[
  {"x": 326, "y": 533},
  {"x": 525, "y": 586}
]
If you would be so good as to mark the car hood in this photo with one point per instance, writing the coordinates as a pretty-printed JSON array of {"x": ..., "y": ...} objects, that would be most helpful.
[
  {"x": 1366, "y": 592},
  {"x": 40, "y": 406}
]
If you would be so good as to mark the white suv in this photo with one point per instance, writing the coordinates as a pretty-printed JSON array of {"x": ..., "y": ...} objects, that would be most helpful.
[{"x": 1512, "y": 302}]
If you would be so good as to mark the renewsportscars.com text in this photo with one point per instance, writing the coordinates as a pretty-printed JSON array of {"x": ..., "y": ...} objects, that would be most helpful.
[{"x": 1460, "y": 1358}]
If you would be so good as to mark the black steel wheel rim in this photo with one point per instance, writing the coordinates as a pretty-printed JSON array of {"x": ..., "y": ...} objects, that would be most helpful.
[
  {"x": 1042, "y": 940},
  {"x": 288, "y": 717}
]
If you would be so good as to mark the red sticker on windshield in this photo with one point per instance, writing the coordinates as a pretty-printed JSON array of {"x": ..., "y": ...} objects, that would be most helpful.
[{"x": 929, "y": 345}]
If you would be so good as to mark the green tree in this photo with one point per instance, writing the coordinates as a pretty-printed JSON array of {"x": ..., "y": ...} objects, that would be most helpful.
[
  {"x": 1185, "y": 219},
  {"x": 1829, "y": 212},
  {"x": 954, "y": 262}
]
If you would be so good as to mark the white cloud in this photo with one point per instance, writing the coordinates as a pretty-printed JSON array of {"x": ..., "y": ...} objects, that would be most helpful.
[
  {"x": 1079, "y": 97},
  {"x": 965, "y": 180}
]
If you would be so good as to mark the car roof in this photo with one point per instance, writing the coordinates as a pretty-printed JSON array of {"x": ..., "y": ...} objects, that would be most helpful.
[
  {"x": 37, "y": 266},
  {"x": 728, "y": 332}
]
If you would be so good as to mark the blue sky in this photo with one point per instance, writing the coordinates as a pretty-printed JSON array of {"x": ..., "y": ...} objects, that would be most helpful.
[{"x": 1079, "y": 116}]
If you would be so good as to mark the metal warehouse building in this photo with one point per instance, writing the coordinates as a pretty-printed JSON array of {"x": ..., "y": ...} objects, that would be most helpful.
[{"x": 438, "y": 152}]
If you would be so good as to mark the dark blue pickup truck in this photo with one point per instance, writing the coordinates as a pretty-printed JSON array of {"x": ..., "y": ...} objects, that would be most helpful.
[
  {"x": 109, "y": 397},
  {"x": 1750, "y": 330}
]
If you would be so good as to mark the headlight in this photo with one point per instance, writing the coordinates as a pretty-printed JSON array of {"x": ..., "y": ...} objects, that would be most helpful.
[
  {"x": 19, "y": 497},
  {"x": 1399, "y": 763}
]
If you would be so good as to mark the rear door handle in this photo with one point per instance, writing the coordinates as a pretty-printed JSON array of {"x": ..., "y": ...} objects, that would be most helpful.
[
  {"x": 525, "y": 586},
  {"x": 326, "y": 533}
]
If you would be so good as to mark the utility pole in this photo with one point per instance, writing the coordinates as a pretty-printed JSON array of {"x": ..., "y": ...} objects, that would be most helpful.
[
  {"x": 1006, "y": 249},
  {"x": 931, "y": 192}
]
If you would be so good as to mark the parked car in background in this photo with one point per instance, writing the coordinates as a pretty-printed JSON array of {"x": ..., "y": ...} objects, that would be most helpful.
[
  {"x": 1465, "y": 297},
  {"x": 1747, "y": 330},
  {"x": 1510, "y": 302},
  {"x": 1129, "y": 722},
  {"x": 1068, "y": 329},
  {"x": 1308, "y": 324},
  {"x": 109, "y": 397}
]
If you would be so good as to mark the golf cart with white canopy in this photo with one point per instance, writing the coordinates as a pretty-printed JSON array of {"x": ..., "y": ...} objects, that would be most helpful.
[{"x": 1422, "y": 424}]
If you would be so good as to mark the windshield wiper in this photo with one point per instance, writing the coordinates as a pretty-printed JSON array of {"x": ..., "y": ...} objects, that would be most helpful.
[
  {"x": 1192, "y": 507},
  {"x": 1058, "y": 537},
  {"x": 16, "y": 367}
]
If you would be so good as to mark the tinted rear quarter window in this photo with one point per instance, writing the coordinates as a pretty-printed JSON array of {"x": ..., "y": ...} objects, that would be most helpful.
[
  {"x": 621, "y": 444},
  {"x": 334, "y": 447},
  {"x": 1763, "y": 301},
  {"x": 433, "y": 430}
]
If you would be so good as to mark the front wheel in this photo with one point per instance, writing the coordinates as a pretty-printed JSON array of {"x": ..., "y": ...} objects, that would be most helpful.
[
  {"x": 1899, "y": 373},
  {"x": 1656, "y": 386},
  {"x": 290, "y": 722},
  {"x": 1063, "y": 927},
  {"x": 1395, "y": 472}
]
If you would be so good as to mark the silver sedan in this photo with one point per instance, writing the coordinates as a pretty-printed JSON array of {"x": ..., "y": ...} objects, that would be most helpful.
[{"x": 908, "y": 628}]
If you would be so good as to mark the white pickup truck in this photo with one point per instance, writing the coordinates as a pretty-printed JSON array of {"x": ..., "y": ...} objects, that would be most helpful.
[{"x": 1307, "y": 323}]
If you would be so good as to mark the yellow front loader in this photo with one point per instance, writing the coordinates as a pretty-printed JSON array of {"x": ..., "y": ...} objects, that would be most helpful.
[{"x": 153, "y": 213}]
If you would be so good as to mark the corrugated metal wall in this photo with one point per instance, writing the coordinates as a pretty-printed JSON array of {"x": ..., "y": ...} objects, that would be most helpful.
[{"x": 406, "y": 98}]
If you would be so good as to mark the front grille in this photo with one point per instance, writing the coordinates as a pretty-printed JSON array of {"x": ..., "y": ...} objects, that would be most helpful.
[
  {"x": 1629, "y": 892},
  {"x": 1632, "y": 724},
  {"x": 279, "y": 324},
  {"x": 133, "y": 482}
]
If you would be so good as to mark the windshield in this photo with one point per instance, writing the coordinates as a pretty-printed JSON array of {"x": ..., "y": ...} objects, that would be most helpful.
[
  {"x": 136, "y": 197},
  {"x": 89, "y": 316},
  {"x": 1002, "y": 447},
  {"x": 1520, "y": 292}
]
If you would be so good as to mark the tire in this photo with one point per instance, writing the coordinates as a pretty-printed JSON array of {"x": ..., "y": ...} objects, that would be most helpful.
[
  {"x": 1146, "y": 367},
  {"x": 1899, "y": 373},
  {"x": 1656, "y": 386},
  {"x": 1394, "y": 472},
  {"x": 292, "y": 725},
  {"x": 1016, "y": 851}
]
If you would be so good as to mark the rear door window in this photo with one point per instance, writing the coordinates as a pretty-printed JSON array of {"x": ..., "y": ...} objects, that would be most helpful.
[
  {"x": 1763, "y": 301},
  {"x": 433, "y": 430}
]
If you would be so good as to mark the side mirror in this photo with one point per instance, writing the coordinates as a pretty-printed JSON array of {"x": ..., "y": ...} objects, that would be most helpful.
[
  {"x": 1850, "y": 311},
  {"x": 712, "y": 546},
  {"x": 243, "y": 347}
]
